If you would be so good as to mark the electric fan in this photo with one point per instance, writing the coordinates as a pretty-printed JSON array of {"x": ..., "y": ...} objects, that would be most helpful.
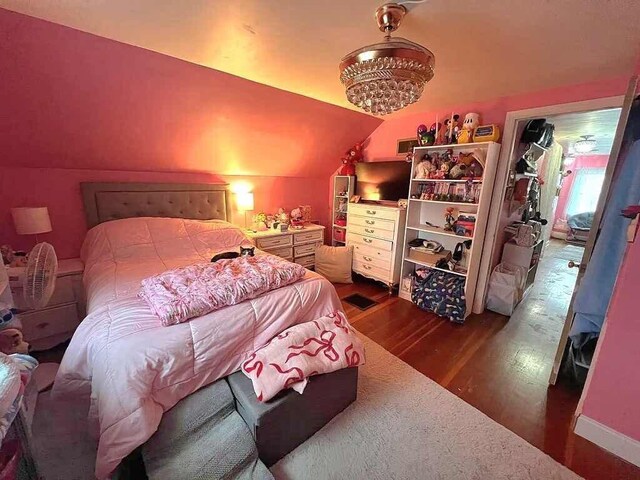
[{"x": 38, "y": 284}]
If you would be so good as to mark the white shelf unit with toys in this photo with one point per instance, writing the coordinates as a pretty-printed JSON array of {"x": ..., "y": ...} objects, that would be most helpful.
[
  {"x": 343, "y": 188},
  {"x": 426, "y": 216}
]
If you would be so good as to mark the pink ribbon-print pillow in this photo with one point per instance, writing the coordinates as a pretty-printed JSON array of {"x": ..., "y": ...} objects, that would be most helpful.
[{"x": 320, "y": 346}]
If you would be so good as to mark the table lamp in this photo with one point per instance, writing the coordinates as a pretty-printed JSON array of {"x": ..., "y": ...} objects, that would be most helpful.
[
  {"x": 245, "y": 203},
  {"x": 31, "y": 220}
]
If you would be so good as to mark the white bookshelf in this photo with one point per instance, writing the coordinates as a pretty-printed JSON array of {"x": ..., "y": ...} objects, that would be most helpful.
[
  {"x": 425, "y": 219},
  {"x": 343, "y": 188}
]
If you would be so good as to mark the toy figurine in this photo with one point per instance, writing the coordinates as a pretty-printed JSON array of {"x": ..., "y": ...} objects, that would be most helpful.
[
  {"x": 297, "y": 221},
  {"x": 438, "y": 133},
  {"x": 451, "y": 129},
  {"x": 457, "y": 171},
  {"x": 449, "y": 219},
  {"x": 425, "y": 137},
  {"x": 425, "y": 167},
  {"x": 469, "y": 125}
]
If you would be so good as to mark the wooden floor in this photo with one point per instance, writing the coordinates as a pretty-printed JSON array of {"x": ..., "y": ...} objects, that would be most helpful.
[{"x": 500, "y": 366}]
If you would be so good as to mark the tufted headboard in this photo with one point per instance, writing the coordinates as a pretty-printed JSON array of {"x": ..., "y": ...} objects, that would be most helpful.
[{"x": 112, "y": 201}]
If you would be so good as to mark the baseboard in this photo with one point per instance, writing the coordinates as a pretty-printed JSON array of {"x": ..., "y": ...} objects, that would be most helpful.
[{"x": 624, "y": 447}]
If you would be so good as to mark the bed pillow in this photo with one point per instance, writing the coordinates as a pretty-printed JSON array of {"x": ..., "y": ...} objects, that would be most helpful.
[
  {"x": 311, "y": 348},
  {"x": 334, "y": 263}
]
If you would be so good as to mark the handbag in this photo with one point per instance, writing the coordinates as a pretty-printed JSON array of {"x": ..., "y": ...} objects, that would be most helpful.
[{"x": 441, "y": 293}]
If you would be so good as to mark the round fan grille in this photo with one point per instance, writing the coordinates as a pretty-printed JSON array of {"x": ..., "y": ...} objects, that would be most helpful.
[{"x": 40, "y": 275}]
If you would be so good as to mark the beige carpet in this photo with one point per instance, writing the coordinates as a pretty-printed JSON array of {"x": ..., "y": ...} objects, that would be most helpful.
[
  {"x": 406, "y": 426},
  {"x": 403, "y": 426}
]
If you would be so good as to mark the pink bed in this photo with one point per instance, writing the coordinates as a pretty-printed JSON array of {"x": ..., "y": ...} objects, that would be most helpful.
[{"x": 134, "y": 368}]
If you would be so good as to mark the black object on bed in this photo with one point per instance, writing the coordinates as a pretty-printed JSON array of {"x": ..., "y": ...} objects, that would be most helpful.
[{"x": 360, "y": 301}]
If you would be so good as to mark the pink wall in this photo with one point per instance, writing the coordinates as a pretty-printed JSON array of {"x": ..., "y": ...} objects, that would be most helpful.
[
  {"x": 580, "y": 162},
  {"x": 80, "y": 107},
  {"x": 612, "y": 395}
]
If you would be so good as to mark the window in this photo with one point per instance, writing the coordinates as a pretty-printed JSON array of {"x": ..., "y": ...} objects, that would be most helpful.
[{"x": 585, "y": 190}]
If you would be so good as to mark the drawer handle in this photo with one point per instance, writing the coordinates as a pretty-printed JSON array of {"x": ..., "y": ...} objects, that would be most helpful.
[
  {"x": 367, "y": 267},
  {"x": 370, "y": 222},
  {"x": 368, "y": 259},
  {"x": 368, "y": 240},
  {"x": 369, "y": 230},
  {"x": 371, "y": 212},
  {"x": 43, "y": 325}
]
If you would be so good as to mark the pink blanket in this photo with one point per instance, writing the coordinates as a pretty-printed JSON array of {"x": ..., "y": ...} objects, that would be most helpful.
[
  {"x": 134, "y": 368},
  {"x": 322, "y": 346},
  {"x": 187, "y": 292}
]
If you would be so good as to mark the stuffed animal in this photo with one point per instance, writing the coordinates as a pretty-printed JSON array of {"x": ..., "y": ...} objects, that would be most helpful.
[
  {"x": 351, "y": 157},
  {"x": 469, "y": 125},
  {"x": 11, "y": 341},
  {"x": 297, "y": 220},
  {"x": 473, "y": 163},
  {"x": 425, "y": 167},
  {"x": 425, "y": 137},
  {"x": 451, "y": 129},
  {"x": 457, "y": 171}
]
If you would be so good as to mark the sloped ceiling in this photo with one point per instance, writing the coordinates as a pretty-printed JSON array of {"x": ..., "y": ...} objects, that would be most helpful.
[{"x": 484, "y": 48}]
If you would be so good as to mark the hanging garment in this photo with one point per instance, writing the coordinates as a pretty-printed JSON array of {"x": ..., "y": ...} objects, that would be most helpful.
[{"x": 596, "y": 288}]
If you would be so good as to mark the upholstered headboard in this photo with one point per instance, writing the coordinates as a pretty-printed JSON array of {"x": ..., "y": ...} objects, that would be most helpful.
[{"x": 112, "y": 201}]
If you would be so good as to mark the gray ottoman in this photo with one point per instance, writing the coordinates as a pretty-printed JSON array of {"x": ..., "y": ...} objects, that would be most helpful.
[{"x": 287, "y": 420}]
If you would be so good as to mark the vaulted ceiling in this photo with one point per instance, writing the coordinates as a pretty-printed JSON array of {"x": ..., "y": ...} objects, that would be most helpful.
[{"x": 484, "y": 48}]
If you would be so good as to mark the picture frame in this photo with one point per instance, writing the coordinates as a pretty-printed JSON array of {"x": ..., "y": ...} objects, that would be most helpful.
[{"x": 406, "y": 145}]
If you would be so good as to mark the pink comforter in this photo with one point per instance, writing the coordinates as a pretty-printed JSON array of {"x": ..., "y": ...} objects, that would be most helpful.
[
  {"x": 134, "y": 368},
  {"x": 195, "y": 290}
]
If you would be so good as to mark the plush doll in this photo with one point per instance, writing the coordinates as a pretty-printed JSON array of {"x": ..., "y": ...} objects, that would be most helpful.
[
  {"x": 457, "y": 171},
  {"x": 469, "y": 125},
  {"x": 425, "y": 167},
  {"x": 425, "y": 137},
  {"x": 297, "y": 220},
  {"x": 451, "y": 129},
  {"x": 11, "y": 340}
]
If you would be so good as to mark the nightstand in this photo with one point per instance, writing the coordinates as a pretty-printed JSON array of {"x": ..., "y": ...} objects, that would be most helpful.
[
  {"x": 47, "y": 327},
  {"x": 297, "y": 246}
]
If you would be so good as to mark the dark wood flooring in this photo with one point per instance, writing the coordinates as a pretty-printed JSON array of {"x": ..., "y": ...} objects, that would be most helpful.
[{"x": 499, "y": 365}]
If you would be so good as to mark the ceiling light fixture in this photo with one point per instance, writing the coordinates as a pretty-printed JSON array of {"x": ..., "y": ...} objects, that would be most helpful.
[
  {"x": 387, "y": 76},
  {"x": 586, "y": 145}
]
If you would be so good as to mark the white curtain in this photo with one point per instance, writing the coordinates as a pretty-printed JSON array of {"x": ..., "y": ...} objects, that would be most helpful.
[{"x": 585, "y": 190}]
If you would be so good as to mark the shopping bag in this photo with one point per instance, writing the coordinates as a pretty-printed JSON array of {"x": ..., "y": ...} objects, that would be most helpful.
[{"x": 505, "y": 288}]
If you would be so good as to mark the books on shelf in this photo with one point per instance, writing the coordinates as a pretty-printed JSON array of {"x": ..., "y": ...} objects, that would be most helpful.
[{"x": 467, "y": 192}]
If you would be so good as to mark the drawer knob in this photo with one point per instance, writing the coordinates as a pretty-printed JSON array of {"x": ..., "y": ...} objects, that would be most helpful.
[
  {"x": 368, "y": 230},
  {"x": 368, "y": 240},
  {"x": 371, "y": 212},
  {"x": 368, "y": 259},
  {"x": 370, "y": 222},
  {"x": 367, "y": 267}
]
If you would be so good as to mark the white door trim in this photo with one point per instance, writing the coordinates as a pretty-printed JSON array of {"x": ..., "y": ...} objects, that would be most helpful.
[
  {"x": 611, "y": 440},
  {"x": 502, "y": 171}
]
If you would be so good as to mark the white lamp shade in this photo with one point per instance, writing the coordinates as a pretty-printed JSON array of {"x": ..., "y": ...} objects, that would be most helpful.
[
  {"x": 245, "y": 201},
  {"x": 31, "y": 220}
]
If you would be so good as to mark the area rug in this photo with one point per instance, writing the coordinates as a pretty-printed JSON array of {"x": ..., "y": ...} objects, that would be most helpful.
[{"x": 405, "y": 426}]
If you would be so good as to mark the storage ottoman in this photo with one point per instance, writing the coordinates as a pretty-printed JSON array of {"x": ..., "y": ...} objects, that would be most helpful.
[{"x": 287, "y": 420}]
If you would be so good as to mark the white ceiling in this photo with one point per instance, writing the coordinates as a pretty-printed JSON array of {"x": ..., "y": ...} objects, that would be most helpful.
[
  {"x": 484, "y": 48},
  {"x": 601, "y": 124}
]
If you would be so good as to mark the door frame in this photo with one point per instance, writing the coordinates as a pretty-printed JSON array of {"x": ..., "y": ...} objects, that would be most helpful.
[{"x": 502, "y": 174}]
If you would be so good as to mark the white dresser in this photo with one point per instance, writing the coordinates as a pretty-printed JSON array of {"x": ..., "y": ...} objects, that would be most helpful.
[
  {"x": 376, "y": 233},
  {"x": 297, "y": 246}
]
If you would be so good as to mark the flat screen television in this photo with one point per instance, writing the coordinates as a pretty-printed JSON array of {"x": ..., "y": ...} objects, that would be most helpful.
[{"x": 383, "y": 181}]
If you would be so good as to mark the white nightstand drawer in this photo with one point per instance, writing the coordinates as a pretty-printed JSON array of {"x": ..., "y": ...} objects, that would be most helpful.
[
  {"x": 372, "y": 242},
  {"x": 63, "y": 293},
  {"x": 372, "y": 211},
  {"x": 372, "y": 232},
  {"x": 50, "y": 321},
  {"x": 306, "y": 249},
  {"x": 372, "y": 222},
  {"x": 273, "y": 242},
  {"x": 306, "y": 261},
  {"x": 307, "y": 237},
  {"x": 284, "y": 252}
]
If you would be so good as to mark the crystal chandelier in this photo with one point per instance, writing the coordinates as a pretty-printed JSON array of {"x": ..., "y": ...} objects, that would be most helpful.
[
  {"x": 389, "y": 75},
  {"x": 586, "y": 145}
]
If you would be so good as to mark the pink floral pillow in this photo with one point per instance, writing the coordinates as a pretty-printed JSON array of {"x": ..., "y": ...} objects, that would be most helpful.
[{"x": 321, "y": 346}]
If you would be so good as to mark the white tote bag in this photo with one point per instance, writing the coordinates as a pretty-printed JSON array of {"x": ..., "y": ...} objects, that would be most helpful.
[{"x": 505, "y": 288}]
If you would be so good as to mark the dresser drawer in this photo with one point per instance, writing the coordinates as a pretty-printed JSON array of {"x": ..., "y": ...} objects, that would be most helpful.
[
  {"x": 372, "y": 242},
  {"x": 367, "y": 269},
  {"x": 373, "y": 261},
  {"x": 308, "y": 237},
  {"x": 372, "y": 222},
  {"x": 306, "y": 261},
  {"x": 371, "y": 232},
  {"x": 284, "y": 252},
  {"x": 372, "y": 211},
  {"x": 309, "y": 249},
  {"x": 63, "y": 293},
  {"x": 274, "y": 242},
  {"x": 49, "y": 322},
  {"x": 371, "y": 252}
]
